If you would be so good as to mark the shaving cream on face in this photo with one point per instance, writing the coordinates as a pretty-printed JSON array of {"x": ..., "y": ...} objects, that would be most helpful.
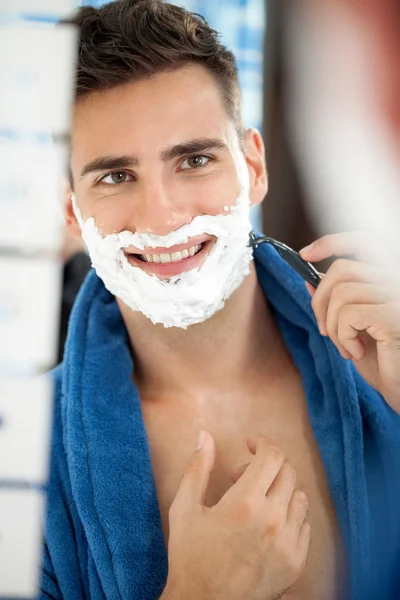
[{"x": 193, "y": 296}]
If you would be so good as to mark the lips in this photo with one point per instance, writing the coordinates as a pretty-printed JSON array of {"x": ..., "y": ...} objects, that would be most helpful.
[{"x": 178, "y": 260}]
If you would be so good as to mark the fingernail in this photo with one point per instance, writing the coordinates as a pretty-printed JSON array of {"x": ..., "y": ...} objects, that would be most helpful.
[
  {"x": 306, "y": 249},
  {"x": 201, "y": 440}
]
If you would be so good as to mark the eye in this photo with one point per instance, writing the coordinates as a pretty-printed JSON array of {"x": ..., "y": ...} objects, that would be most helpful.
[
  {"x": 116, "y": 177},
  {"x": 195, "y": 162}
]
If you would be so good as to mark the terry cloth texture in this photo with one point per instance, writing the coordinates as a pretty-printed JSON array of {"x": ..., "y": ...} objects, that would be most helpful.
[{"x": 103, "y": 536}]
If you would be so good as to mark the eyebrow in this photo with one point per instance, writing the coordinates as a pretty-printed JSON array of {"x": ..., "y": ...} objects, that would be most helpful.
[
  {"x": 193, "y": 147},
  {"x": 110, "y": 163}
]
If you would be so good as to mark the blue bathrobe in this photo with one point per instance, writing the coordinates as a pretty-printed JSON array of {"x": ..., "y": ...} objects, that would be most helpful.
[{"x": 103, "y": 535}]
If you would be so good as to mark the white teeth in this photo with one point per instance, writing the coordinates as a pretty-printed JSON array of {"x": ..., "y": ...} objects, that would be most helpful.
[{"x": 174, "y": 257}]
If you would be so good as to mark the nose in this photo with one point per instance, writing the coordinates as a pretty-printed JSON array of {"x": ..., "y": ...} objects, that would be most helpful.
[{"x": 160, "y": 211}]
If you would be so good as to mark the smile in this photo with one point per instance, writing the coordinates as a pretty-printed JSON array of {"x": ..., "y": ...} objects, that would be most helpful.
[
  {"x": 164, "y": 264},
  {"x": 171, "y": 258}
]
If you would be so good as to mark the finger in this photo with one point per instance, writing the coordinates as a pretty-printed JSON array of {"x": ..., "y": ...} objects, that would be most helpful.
[
  {"x": 238, "y": 472},
  {"x": 310, "y": 288},
  {"x": 297, "y": 512},
  {"x": 193, "y": 486},
  {"x": 359, "y": 244},
  {"x": 282, "y": 488},
  {"x": 263, "y": 469},
  {"x": 381, "y": 322},
  {"x": 297, "y": 532},
  {"x": 303, "y": 544},
  {"x": 252, "y": 442},
  {"x": 342, "y": 271},
  {"x": 348, "y": 293}
]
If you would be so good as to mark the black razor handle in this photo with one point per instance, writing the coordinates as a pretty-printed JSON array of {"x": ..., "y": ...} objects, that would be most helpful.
[{"x": 293, "y": 258}]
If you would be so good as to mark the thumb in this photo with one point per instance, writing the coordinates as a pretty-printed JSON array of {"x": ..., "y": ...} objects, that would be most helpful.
[{"x": 193, "y": 486}]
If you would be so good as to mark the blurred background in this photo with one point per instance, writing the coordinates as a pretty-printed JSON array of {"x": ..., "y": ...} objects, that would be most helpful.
[{"x": 332, "y": 118}]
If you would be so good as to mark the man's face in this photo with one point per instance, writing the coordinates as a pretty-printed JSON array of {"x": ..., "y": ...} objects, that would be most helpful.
[{"x": 151, "y": 156}]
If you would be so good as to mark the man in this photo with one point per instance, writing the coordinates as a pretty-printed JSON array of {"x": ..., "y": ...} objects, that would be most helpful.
[{"x": 180, "y": 332}]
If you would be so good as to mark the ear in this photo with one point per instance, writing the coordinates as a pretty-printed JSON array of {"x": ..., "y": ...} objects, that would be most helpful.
[
  {"x": 70, "y": 219},
  {"x": 255, "y": 158}
]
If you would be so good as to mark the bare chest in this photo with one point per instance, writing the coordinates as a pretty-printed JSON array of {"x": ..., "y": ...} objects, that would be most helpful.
[{"x": 287, "y": 424}]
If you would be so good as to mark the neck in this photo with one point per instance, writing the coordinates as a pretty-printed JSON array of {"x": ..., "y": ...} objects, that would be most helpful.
[{"x": 220, "y": 354}]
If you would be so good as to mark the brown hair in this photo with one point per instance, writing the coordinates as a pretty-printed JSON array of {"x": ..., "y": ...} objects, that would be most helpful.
[{"x": 131, "y": 40}]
